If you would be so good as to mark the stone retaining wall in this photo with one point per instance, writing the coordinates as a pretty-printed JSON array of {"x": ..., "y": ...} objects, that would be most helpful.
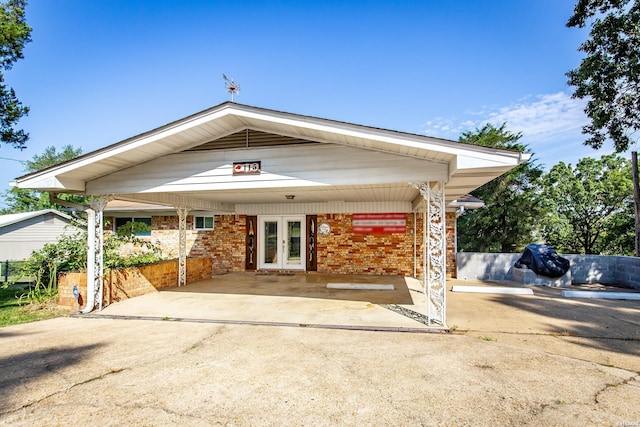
[
  {"x": 604, "y": 269},
  {"x": 131, "y": 282}
]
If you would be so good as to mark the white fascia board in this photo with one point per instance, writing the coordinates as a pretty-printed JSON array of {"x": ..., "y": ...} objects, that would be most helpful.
[
  {"x": 51, "y": 182},
  {"x": 381, "y": 135},
  {"x": 485, "y": 160},
  {"x": 34, "y": 180}
]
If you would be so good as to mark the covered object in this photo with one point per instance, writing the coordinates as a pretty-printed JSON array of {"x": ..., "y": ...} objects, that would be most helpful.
[{"x": 543, "y": 260}]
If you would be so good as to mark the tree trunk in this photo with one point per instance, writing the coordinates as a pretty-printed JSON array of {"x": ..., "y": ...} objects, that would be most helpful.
[{"x": 636, "y": 198}]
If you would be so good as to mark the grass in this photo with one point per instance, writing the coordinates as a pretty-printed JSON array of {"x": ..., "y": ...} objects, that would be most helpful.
[{"x": 13, "y": 312}]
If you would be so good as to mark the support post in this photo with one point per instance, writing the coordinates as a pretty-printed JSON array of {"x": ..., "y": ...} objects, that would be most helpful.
[
  {"x": 434, "y": 274},
  {"x": 95, "y": 253},
  {"x": 182, "y": 245}
]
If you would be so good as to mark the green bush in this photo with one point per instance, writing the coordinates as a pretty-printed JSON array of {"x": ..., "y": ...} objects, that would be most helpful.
[{"x": 69, "y": 253}]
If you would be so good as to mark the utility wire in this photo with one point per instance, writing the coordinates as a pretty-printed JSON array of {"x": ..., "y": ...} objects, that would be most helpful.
[{"x": 14, "y": 160}]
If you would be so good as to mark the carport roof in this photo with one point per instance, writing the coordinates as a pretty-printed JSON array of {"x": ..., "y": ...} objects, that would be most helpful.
[{"x": 469, "y": 166}]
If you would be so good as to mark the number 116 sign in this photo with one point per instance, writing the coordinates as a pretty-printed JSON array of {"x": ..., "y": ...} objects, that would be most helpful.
[{"x": 247, "y": 168}]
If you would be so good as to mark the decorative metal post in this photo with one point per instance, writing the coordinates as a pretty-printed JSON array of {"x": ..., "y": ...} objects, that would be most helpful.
[
  {"x": 182, "y": 245},
  {"x": 95, "y": 255},
  {"x": 435, "y": 254}
]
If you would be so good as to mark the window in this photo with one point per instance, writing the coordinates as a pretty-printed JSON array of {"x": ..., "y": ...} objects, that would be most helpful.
[
  {"x": 129, "y": 222},
  {"x": 203, "y": 222}
]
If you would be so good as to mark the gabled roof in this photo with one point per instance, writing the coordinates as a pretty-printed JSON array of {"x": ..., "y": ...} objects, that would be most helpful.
[
  {"x": 465, "y": 166},
  {"x": 10, "y": 219}
]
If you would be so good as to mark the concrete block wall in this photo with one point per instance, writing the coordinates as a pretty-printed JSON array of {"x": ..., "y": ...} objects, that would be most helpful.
[
  {"x": 131, "y": 282},
  {"x": 628, "y": 271},
  {"x": 485, "y": 266},
  {"x": 592, "y": 268},
  {"x": 604, "y": 269}
]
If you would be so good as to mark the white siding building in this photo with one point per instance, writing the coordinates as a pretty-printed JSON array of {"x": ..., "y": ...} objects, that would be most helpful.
[{"x": 23, "y": 233}]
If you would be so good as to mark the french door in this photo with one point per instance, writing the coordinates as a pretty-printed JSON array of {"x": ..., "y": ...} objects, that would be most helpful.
[{"x": 281, "y": 243}]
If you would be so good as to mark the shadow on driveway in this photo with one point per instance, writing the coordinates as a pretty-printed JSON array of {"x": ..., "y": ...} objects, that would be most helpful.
[{"x": 599, "y": 325}]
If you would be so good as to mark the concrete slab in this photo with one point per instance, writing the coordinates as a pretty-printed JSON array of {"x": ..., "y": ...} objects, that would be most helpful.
[
  {"x": 492, "y": 290},
  {"x": 363, "y": 286},
  {"x": 299, "y": 299},
  {"x": 605, "y": 331},
  {"x": 511, "y": 360},
  {"x": 604, "y": 295}
]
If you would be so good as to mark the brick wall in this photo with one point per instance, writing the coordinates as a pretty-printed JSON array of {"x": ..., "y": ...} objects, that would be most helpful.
[
  {"x": 132, "y": 282},
  {"x": 450, "y": 256},
  {"x": 342, "y": 252},
  {"x": 451, "y": 244},
  {"x": 224, "y": 244}
]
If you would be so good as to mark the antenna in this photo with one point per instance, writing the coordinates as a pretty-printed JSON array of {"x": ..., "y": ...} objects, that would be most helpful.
[{"x": 231, "y": 86}]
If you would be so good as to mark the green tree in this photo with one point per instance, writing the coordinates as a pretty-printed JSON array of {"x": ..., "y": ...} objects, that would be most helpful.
[
  {"x": 512, "y": 203},
  {"x": 21, "y": 200},
  {"x": 14, "y": 34},
  {"x": 609, "y": 78},
  {"x": 590, "y": 208}
]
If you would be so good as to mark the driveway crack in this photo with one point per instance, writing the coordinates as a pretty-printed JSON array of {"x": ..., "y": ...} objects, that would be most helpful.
[{"x": 608, "y": 386}]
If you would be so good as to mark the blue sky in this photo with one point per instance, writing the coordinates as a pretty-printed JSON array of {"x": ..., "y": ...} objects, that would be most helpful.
[{"x": 100, "y": 71}]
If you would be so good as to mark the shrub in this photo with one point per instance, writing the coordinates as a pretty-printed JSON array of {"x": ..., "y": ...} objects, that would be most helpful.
[{"x": 69, "y": 253}]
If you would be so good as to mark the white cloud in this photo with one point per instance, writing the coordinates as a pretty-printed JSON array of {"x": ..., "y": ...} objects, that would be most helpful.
[
  {"x": 551, "y": 125},
  {"x": 543, "y": 118}
]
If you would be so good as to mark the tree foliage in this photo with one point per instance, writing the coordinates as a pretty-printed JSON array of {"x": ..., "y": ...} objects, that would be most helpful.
[
  {"x": 21, "y": 200},
  {"x": 512, "y": 201},
  {"x": 609, "y": 76},
  {"x": 14, "y": 35},
  {"x": 590, "y": 207}
]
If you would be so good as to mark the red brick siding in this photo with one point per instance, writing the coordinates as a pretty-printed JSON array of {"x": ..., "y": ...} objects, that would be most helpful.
[
  {"x": 132, "y": 282},
  {"x": 344, "y": 252},
  {"x": 224, "y": 244},
  {"x": 451, "y": 243}
]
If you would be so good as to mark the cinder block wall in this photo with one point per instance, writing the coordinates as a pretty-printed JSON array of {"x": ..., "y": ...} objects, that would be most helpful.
[
  {"x": 131, "y": 282},
  {"x": 604, "y": 269}
]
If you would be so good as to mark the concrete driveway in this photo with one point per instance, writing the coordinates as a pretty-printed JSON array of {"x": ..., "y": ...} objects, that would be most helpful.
[{"x": 511, "y": 360}]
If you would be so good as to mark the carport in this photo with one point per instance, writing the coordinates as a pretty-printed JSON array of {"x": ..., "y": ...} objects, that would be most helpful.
[{"x": 302, "y": 191}]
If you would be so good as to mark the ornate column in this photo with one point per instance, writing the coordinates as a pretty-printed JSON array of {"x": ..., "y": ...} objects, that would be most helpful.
[
  {"x": 95, "y": 253},
  {"x": 182, "y": 245},
  {"x": 434, "y": 240}
]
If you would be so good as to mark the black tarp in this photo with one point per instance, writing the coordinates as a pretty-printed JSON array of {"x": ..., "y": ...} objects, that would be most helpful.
[{"x": 543, "y": 260}]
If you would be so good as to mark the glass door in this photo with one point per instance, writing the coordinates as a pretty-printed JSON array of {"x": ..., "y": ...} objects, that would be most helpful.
[
  {"x": 294, "y": 243},
  {"x": 281, "y": 245}
]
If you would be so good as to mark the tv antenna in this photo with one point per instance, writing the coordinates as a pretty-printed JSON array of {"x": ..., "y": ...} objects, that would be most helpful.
[{"x": 231, "y": 86}]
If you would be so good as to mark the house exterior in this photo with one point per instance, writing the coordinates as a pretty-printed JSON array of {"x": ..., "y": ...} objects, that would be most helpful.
[
  {"x": 23, "y": 233},
  {"x": 262, "y": 190}
]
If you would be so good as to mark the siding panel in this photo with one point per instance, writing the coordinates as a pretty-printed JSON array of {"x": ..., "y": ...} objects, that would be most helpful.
[{"x": 302, "y": 166}]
